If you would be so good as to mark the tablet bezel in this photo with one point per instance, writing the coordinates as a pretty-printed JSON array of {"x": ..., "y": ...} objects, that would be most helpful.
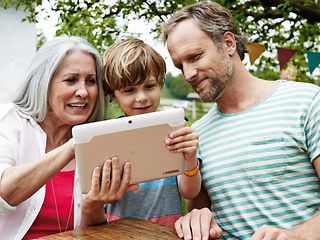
[{"x": 144, "y": 146}]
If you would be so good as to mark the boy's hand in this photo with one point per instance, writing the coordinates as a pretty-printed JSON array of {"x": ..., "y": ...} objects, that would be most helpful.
[{"x": 183, "y": 140}]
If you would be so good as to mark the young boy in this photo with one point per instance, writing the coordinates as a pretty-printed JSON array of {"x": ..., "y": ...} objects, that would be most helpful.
[{"x": 134, "y": 74}]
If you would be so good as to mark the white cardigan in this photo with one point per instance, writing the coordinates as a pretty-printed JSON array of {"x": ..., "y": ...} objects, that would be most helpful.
[{"x": 22, "y": 140}]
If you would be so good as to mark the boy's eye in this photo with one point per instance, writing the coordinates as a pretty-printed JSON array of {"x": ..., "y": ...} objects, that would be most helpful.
[
  {"x": 128, "y": 90},
  {"x": 150, "y": 85}
]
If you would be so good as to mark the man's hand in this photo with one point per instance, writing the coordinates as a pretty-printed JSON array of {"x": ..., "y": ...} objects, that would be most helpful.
[
  {"x": 198, "y": 225},
  {"x": 272, "y": 233}
]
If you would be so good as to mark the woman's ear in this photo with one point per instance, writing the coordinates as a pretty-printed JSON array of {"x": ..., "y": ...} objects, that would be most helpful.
[{"x": 229, "y": 39}]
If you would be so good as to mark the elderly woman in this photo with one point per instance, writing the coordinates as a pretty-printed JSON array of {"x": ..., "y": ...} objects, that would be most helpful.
[{"x": 62, "y": 88}]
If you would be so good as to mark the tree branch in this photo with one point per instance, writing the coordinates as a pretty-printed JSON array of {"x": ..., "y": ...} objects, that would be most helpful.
[{"x": 305, "y": 8}]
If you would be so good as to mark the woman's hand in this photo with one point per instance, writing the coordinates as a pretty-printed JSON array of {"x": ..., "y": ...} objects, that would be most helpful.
[{"x": 107, "y": 186}]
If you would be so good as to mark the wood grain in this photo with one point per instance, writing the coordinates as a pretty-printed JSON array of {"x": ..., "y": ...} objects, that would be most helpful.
[{"x": 123, "y": 229}]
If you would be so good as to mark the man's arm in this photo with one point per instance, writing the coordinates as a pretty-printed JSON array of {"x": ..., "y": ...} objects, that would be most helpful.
[{"x": 309, "y": 230}]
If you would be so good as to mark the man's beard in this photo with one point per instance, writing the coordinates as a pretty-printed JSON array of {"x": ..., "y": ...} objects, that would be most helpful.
[
  {"x": 211, "y": 94},
  {"x": 217, "y": 85}
]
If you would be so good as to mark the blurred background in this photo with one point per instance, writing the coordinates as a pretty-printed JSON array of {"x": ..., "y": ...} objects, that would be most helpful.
[{"x": 284, "y": 38}]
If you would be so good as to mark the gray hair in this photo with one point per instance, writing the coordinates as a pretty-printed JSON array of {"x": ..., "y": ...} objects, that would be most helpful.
[
  {"x": 32, "y": 95},
  {"x": 211, "y": 18}
]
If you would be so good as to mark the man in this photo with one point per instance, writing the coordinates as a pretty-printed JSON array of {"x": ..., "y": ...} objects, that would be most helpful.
[{"x": 259, "y": 142}]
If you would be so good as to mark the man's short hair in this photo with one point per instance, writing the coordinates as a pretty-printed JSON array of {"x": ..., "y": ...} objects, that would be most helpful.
[{"x": 211, "y": 18}]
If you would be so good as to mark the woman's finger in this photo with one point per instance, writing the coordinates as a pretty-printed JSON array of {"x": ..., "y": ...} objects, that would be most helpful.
[
  {"x": 115, "y": 178},
  {"x": 125, "y": 179},
  {"x": 95, "y": 181},
  {"x": 106, "y": 177}
]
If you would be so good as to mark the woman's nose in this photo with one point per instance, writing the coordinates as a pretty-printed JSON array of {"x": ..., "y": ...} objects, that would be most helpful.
[{"x": 82, "y": 91}]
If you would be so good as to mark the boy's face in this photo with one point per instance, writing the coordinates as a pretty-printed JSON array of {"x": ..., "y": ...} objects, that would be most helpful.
[{"x": 139, "y": 99}]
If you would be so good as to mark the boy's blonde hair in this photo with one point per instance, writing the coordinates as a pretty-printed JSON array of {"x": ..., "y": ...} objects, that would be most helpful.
[{"x": 131, "y": 62}]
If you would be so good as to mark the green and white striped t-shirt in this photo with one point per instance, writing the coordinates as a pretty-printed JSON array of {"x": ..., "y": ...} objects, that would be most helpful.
[{"x": 257, "y": 164}]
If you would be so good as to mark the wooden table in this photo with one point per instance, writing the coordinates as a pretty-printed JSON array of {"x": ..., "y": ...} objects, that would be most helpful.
[{"x": 124, "y": 229}]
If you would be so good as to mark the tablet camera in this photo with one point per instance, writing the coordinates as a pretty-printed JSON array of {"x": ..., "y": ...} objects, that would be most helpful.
[{"x": 130, "y": 121}]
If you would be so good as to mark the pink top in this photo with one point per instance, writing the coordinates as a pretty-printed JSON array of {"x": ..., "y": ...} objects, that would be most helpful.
[{"x": 56, "y": 214}]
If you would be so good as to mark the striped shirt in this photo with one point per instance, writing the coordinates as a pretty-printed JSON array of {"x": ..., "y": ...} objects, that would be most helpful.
[{"x": 257, "y": 164}]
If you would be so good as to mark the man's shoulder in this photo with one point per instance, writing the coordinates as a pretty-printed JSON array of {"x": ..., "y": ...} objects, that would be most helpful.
[
  {"x": 299, "y": 85},
  {"x": 302, "y": 91}
]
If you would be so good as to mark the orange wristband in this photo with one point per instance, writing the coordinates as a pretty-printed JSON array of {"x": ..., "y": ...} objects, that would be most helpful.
[{"x": 192, "y": 172}]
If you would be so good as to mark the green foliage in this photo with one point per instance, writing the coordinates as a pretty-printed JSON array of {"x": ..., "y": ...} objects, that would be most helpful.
[
  {"x": 177, "y": 86},
  {"x": 200, "y": 109},
  {"x": 113, "y": 110},
  {"x": 184, "y": 206},
  {"x": 165, "y": 93},
  {"x": 169, "y": 80},
  {"x": 29, "y": 6},
  {"x": 90, "y": 19},
  {"x": 266, "y": 74},
  {"x": 7, "y": 3},
  {"x": 41, "y": 39},
  {"x": 274, "y": 23},
  {"x": 287, "y": 24}
]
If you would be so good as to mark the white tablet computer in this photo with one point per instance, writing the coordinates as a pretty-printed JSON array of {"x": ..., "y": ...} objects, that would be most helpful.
[{"x": 138, "y": 139}]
